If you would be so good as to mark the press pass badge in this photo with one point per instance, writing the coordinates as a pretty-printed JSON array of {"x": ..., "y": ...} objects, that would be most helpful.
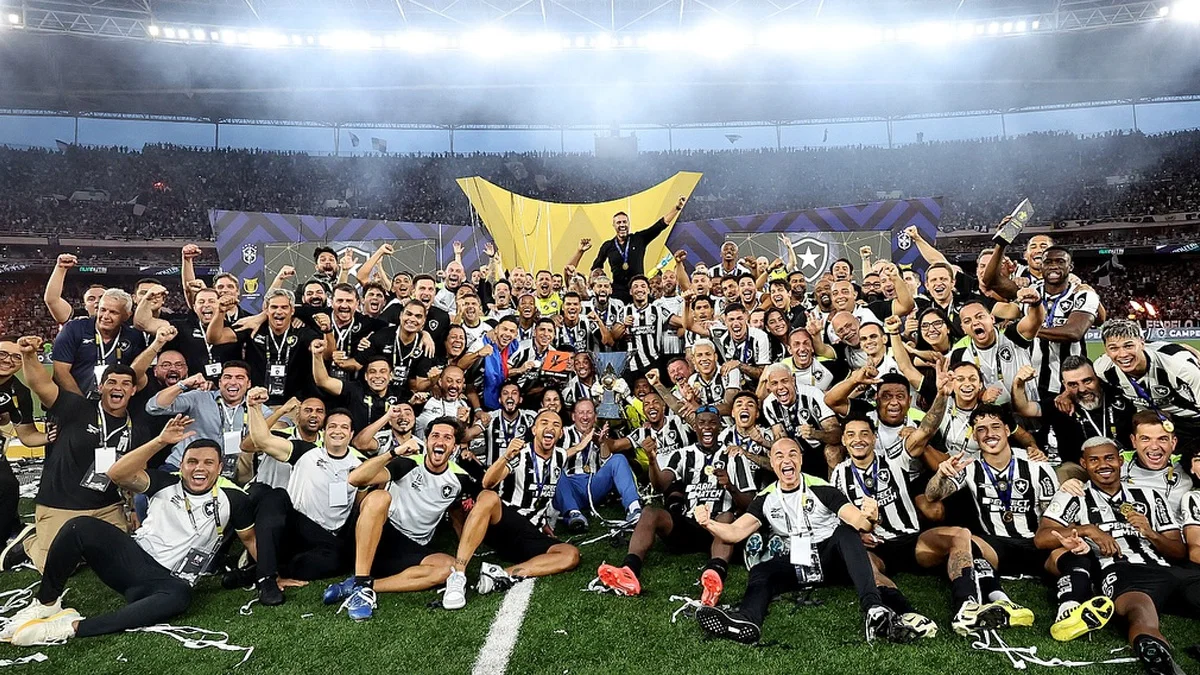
[
  {"x": 95, "y": 480},
  {"x": 337, "y": 494},
  {"x": 105, "y": 458},
  {"x": 233, "y": 448},
  {"x": 194, "y": 564},
  {"x": 212, "y": 370},
  {"x": 805, "y": 562}
]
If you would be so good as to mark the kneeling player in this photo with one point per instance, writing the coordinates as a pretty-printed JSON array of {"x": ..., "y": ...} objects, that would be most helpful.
[
  {"x": 514, "y": 522},
  {"x": 703, "y": 473},
  {"x": 1127, "y": 535},
  {"x": 823, "y": 530},
  {"x": 395, "y": 525}
]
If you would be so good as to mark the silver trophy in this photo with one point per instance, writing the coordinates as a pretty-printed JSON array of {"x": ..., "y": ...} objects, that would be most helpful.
[
  {"x": 1017, "y": 221},
  {"x": 609, "y": 368}
]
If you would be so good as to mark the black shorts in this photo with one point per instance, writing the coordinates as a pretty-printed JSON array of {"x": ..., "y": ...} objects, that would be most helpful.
[
  {"x": 396, "y": 552},
  {"x": 515, "y": 539},
  {"x": 1017, "y": 556},
  {"x": 899, "y": 554},
  {"x": 686, "y": 536},
  {"x": 1172, "y": 589}
]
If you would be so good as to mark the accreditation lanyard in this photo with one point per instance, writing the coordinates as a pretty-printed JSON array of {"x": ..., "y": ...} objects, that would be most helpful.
[
  {"x": 283, "y": 350},
  {"x": 798, "y": 514},
  {"x": 542, "y": 476},
  {"x": 342, "y": 337},
  {"x": 995, "y": 359},
  {"x": 105, "y": 434},
  {"x": 1106, "y": 426},
  {"x": 187, "y": 505},
  {"x": 227, "y": 419},
  {"x": 101, "y": 354}
]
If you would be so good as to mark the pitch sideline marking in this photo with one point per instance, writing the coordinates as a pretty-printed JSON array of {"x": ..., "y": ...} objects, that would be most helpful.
[{"x": 502, "y": 636}]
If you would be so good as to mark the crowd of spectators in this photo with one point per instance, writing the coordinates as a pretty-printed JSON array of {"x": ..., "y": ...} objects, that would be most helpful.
[{"x": 1065, "y": 176}]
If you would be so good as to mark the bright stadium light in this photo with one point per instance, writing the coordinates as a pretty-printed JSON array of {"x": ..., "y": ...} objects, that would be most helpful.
[
  {"x": 153, "y": 30},
  {"x": 1007, "y": 27},
  {"x": 297, "y": 40},
  {"x": 602, "y": 41},
  {"x": 1186, "y": 10},
  {"x": 489, "y": 41},
  {"x": 215, "y": 36},
  {"x": 198, "y": 34},
  {"x": 1020, "y": 26},
  {"x": 965, "y": 31},
  {"x": 418, "y": 42},
  {"x": 1035, "y": 25},
  {"x": 14, "y": 19},
  {"x": 228, "y": 37},
  {"x": 169, "y": 33},
  {"x": 993, "y": 28}
]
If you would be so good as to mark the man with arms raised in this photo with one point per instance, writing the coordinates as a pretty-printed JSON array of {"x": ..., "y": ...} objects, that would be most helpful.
[
  {"x": 84, "y": 349},
  {"x": 823, "y": 532},
  {"x": 626, "y": 252},
  {"x": 396, "y": 524},
  {"x": 593, "y": 472}
]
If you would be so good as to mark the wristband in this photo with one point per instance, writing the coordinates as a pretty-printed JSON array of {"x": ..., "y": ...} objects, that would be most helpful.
[{"x": 183, "y": 387}]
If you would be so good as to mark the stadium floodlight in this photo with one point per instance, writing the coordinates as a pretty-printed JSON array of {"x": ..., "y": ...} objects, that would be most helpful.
[
  {"x": 933, "y": 33},
  {"x": 199, "y": 34},
  {"x": 1020, "y": 26},
  {"x": 297, "y": 40},
  {"x": 602, "y": 41},
  {"x": 965, "y": 31},
  {"x": 993, "y": 28},
  {"x": 580, "y": 42},
  {"x": 215, "y": 36},
  {"x": 153, "y": 30},
  {"x": 980, "y": 29},
  {"x": 419, "y": 42},
  {"x": 1007, "y": 27},
  {"x": 1164, "y": 10},
  {"x": 14, "y": 19},
  {"x": 489, "y": 41},
  {"x": 228, "y": 37},
  {"x": 169, "y": 33},
  {"x": 1186, "y": 10},
  {"x": 1035, "y": 25},
  {"x": 543, "y": 42}
]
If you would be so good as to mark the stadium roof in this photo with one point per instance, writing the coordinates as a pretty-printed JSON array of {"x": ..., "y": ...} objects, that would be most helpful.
[{"x": 800, "y": 62}]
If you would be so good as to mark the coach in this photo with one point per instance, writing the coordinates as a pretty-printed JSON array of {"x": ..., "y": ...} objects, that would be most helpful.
[{"x": 625, "y": 253}]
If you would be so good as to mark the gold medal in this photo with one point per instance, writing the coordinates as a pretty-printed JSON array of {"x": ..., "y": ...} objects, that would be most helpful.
[
  {"x": 625, "y": 266},
  {"x": 709, "y": 470},
  {"x": 1007, "y": 516},
  {"x": 1168, "y": 426},
  {"x": 1127, "y": 509}
]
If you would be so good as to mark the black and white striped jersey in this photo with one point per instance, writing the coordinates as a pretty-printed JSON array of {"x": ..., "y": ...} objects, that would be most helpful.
[
  {"x": 732, "y": 436},
  {"x": 1105, "y": 512},
  {"x": 695, "y": 476},
  {"x": 888, "y": 439},
  {"x": 1172, "y": 482},
  {"x": 1189, "y": 510},
  {"x": 1000, "y": 362},
  {"x": 671, "y": 343},
  {"x": 576, "y": 390},
  {"x": 642, "y": 339},
  {"x": 815, "y": 375},
  {"x": 1171, "y": 382},
  {"x": 582, "y": 337},
  {"x": 1010, "y": 500},
  {"x": 674, "y": 434},
  {"x": 531, "y": 481},
  {"x": 586, "y": 460},
  {"x": 886, "y": 482},
  {"x": 754, "y": 348},
  {"x": 500, "y": 431},
  {"x": 809, "y": 408},
  {"x": 528, "y": 351},
  {"x": 954, "y": 433},
  {"x": 713, "y": 390},
  {"x": 1048, "y": 356}
]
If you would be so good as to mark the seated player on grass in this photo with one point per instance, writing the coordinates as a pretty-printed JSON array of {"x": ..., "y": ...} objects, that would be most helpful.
[
  {"x": 822, "y": 529},
  {"x": 516, "y": 521},
  {"x": 396, "y": 523},
  {"x": 1123, "y": 538},
  {"x": 154, "y": 569}
]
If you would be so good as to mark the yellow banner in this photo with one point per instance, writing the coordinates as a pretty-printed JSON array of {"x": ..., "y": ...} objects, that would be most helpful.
[{"x": 534, "y": 234}]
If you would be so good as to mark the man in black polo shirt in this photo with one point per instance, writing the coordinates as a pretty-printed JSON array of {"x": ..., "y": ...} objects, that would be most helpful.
[
  {"x": 192, "y": 327},
  {"x": 92, "y": 435},
  {"x": 626, "y": 252}
]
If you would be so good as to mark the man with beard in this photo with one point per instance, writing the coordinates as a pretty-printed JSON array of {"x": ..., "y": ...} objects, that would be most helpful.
[
  {"x": 779, "y": 296},
  {"x": 325, "y": 265},
  {"x": 700, "y": 474},
  {"x": 823, "y": 531},
  {"x": 192, "y": 338},
  {"x": 576, "y": 333},
  {"x": 391, "y": 433},
  {"x": 170, "y": 368},
  {"x": 670, "y": 303},
  {"x": 396, "y": 523},
  {"x": 1070, "y": 310},
  {"x": 499, "y": 429},
  {"x": 498, "y": 349},
  {"x": 1125, "y": 536},
  {"x": 447, "y": 296},
  {"x": 1000, "y": 355},
  {"x": 402, "y": 348},
  {"x": 1010, "y": 493},
  {"x": 91, "y": 436},
  {"x": 314, "y": 294},
  {"x": 579, "y": 385},
  {"x": 803, "y": 362},
  {"x": 502, "y": 304},
  {"x": 641, "y": 327},
  {"x": 348, "y": 328},
  {"x": 994, "y": 277},
  {"x": 305, "y": 531},
  {"x": 155, "y": 568},
  {"x": 607, "y": 310},
  {"x": 218, "y": 416},
  {"x": 16, "y": 408},
  {"x": 84, "y": 349},
  {"x": 451, "y": 400},
  {"x": 437, "y": 319},
  {"x": 366, "y": 399},
  {"x": 226, "y": 286},
  {"x": 626, "y": 253},
  {"x": 801, "y": 413},
  {"x": 1161, "y": 377},
  {"x": 1087, "y": 407},
  {"x": 548, "y": 301},
  {"x": 278, "y": 356},
  {"x": 525, "y": 364},
  {"x": 593, "y": 472},
  {"x": 309, "y": 428},
  {"x": 510, "y": 516},
  {"x": 742, "y": 347},
  {"x": 746, "y": 435},
  {"x": 470, "y": 317}
]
